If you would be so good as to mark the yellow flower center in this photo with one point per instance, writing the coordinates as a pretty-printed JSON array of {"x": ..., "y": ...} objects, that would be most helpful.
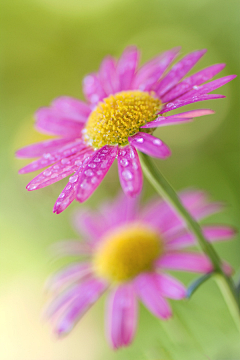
[
  {"x": 126, "y": 252},
  {"x": 119, "y": 116}
]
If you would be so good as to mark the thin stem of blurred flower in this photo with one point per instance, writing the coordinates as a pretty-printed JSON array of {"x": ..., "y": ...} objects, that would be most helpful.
[{"x": 166, "y": 191}]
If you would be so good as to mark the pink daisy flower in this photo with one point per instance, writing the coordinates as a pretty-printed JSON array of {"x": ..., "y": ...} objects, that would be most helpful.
[
  {"x": 124, "y": 106},
  {"x": 127, "y": 253}
]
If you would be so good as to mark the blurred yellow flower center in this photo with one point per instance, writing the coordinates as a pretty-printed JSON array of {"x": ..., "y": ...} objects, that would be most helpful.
[
  {"x": 119, "y": 116},
  {"x": 126, "y": 252}
]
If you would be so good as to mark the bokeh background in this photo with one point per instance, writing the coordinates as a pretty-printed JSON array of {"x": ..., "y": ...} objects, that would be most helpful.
[{"x": 48, "y": 46}]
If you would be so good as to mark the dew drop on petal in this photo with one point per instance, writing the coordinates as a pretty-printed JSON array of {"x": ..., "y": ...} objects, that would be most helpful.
[
  {"x": 139, "y": 140},
  {"x": 157, "y": 142},
  {"x": 54, "y": 175},
  {"x": 94, "y": 180},
  {"x": 32, "y": 187},
  {"x": 127, "y": 175},
  {"x": 99, "y": 172},
  {"x": 68, "y": 187},
  {"x": 97, "y": 160},
  {"x": 78, "y": 162},
  {"x": 92, "y": 165},
  {"x": 88, "y": 172},
  {"x": 61, "y": 195},
  {"x": 73, "y": 178},
  {"x": 47, "y": 172},
  {"x": 124, "y": 162}
]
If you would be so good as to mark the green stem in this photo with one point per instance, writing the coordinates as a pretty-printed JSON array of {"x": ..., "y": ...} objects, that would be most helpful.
[{"x": 166, "y": 191}]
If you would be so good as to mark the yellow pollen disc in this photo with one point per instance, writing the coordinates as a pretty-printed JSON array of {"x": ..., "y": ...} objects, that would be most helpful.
[
  {"x": 126, "y": 252},
  {"x": 119, "y": 116}
]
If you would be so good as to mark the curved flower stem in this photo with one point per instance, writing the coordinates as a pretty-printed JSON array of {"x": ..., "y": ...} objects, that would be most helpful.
[{"x": 166, "y": 191}]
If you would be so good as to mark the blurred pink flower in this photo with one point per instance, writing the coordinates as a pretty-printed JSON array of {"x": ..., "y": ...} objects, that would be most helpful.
[
  {"x": 124, "y": 106},
  {"x": 127, "y": 252}
]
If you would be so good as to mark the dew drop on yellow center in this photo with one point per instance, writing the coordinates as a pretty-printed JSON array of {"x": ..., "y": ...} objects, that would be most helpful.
[
  {"x": 126, "y": 252},
  {"x": 119, "y": 116}
]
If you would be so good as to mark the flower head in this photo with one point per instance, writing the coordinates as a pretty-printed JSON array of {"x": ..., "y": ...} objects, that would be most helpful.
[
  {"x": 126, "y": 252},
  {"x": 124, "y": 106}
]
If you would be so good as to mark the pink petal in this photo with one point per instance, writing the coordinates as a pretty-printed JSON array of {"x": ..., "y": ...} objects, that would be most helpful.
[
  {"x": 52, "y": 122},
  {"x": 165, "y": 121},
  {"x": 85, "y": 296},
  {"x": 192, "y": 262},
  {"x": 49, "y": 158},
  {"x": 108, "y": 76},
  {"x": 161, "y": 216},
  {"x": 93, "y": 89},
  {"x": 191, "y": 81},
  {"x": 130, "y": 171},
  {"x": 192, "y": 113},
  {"x": 90, "y": 223},
  {"x": 150, "y": 145},
  {"x": 206, "y": 88},
  {"x": 149, "y": 73},
  {"x": 42, "y": 147},
  {"x": 170, "y": 287},
  {"x": 73, "y": 273},
  {"x": 127, "y": 66},
  {"x": 178, "y": 71},
  {"x": 69, "y": 192},
  {"x": 179, "y": 103},
  {"x": 67, "y": 196},
  {"x": 72, "y": 108},
  {"x": 123, "y": 209},
  {"x": 212, "y": 233},
  {"x": 96, "y": 170},
  {"x": 148, "y": 290},
  {"x": 121, "y": 316},
  {"x": 177, "y": 118},
  {"x": 59, "y": 171}
]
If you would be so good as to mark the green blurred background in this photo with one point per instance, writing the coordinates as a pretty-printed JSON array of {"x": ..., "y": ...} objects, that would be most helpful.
[{"x": 48, "y": 46}]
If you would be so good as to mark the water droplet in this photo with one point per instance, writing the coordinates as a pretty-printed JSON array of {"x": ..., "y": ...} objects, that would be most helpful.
[
  {"x": 195, "y": 87},
  {"x": 68, "y": 187},
  {"x": 91, "y": 165},
  {"x": 78, "y": 162},
  {"x": 65, "y": 161},
  {"x": 97, "y": 160},
  {"x": 104, "y": 164},
  {"x": 47, "y": 172},
  {"x": 32, "y": 187},
  {"x": 61, "y": 195},
  {"x": 84, "y": 185},
  {"x": 139, "y": 140},
  {"x": 135, "y": 165},
  {"x": 124, "y": 162},
  {"x": 88, "y": 172},
  {"x": 122, "y": 152},
  {"x": 94, "y": 180},
  {"x": 47, "y": 155},
  {"x": 157, "y": 142},
  {"x": 127, "y": 175},
  {"x": 56, "y": 167},
  {"x": 99, "y": 172},
  {"x": 131, "y": 153},
  {"x": 129, "y": 187},
  {"x": 66, "y": 152},
  {"x": 54, "y": 176},
  {"x": 73, "y": 178},
  {"x": 105, "y": 151}
]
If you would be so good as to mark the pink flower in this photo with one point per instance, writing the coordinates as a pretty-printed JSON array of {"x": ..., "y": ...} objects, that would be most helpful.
[
  {"x": 124, "y": 105},
  {"x": 127, "y": 253}
]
